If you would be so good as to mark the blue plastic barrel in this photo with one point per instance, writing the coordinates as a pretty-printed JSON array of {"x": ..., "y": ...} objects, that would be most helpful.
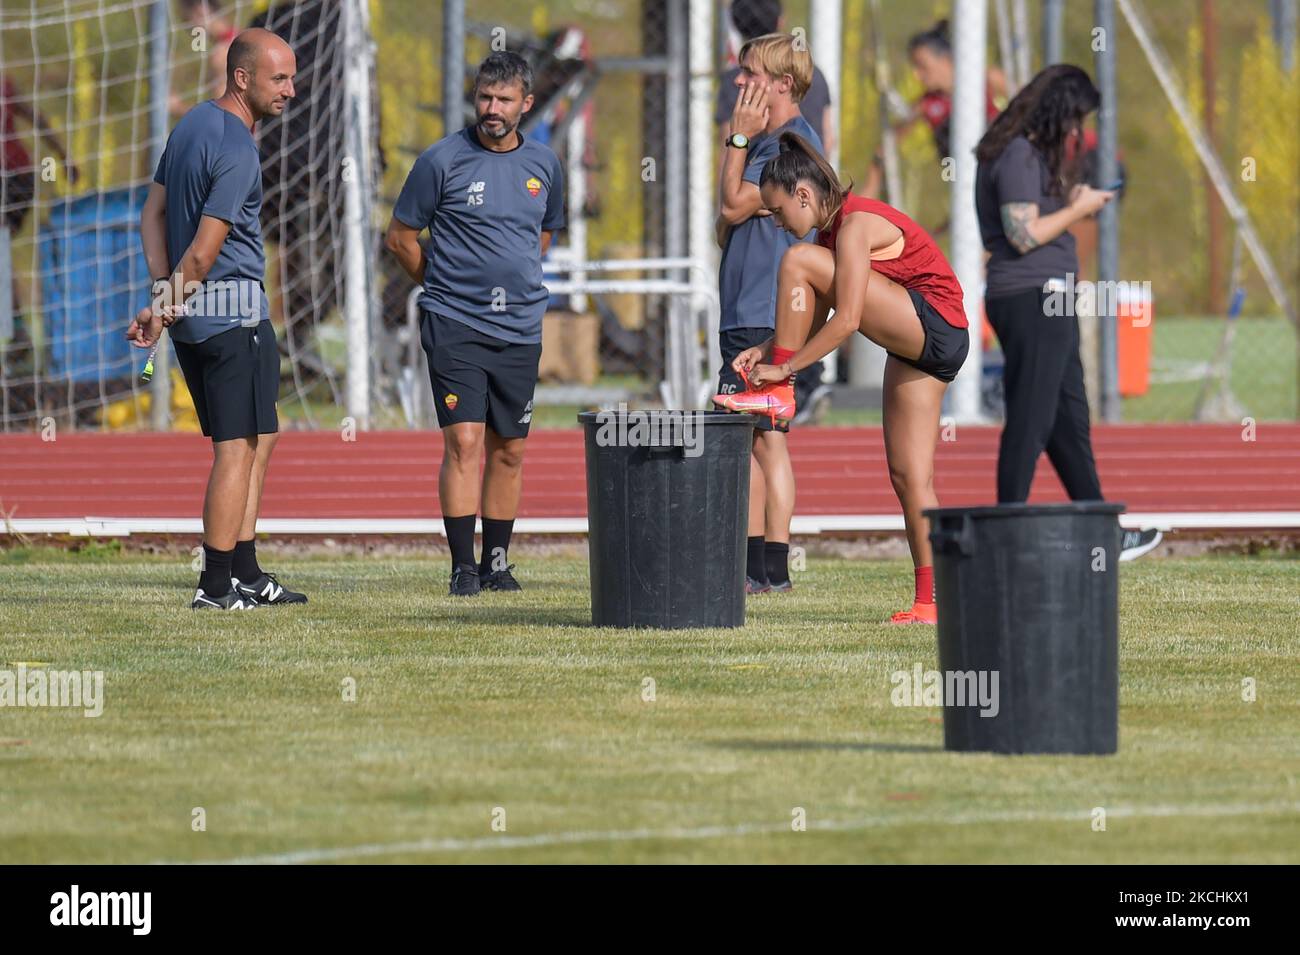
[{"x": 93, "y": 279}]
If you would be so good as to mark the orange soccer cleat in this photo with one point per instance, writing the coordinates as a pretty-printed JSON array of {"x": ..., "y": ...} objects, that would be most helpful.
[
  {"x": 776, "y": 401},
  {"x": 919, "y": 613}
]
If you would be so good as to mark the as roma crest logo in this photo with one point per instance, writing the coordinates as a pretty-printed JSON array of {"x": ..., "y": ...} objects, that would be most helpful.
[
  {"x": 533, "y": 185},
  {"x": 451, "y": 401}
]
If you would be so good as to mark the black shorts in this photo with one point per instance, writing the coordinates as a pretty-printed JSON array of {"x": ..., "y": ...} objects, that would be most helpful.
[
  {"x": 234, "y": 379},
  {"x": 945, "y": 345},
  {"x": 476, "y": 377},
  {"x": 731, "y": 342}
]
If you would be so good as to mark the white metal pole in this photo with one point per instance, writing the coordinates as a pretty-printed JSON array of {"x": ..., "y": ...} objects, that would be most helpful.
[
  {"x": 576, "y": 186},
  {"x": 453, "y": 66},
  {"x": 6, "y": 288},
  {"x": 159, "y": 94},
  {"x": 701, "y": 246},
  {"x": 677, "y": 160},
  {"x": 970, "y": 28},
  {"x": 357, "y": 282},
  {"x": 827, "y": 25},
  {"x": 1108, "y": 220},
  {"x": 1053, "y": 17},
  {"x": 1020, "y": 41},
  {"x": 1283, "y": 13},
  {"x": 827, "y": 53}
]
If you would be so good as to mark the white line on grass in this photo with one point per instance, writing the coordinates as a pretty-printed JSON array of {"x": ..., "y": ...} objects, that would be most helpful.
[{"x": 746, "y": 829}]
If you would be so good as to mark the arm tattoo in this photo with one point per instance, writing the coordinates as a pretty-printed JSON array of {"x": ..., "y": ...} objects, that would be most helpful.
[{"x": 1016, "y": 217}]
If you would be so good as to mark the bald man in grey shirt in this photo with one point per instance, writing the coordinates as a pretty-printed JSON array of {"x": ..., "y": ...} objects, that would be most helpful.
[{"x": 203, "y": 243}]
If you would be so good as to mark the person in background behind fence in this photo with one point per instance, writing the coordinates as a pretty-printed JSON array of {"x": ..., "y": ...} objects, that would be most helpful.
[
  {"x": 203, "y": 243},
  {"x": 491, "y": 201},
  {"x": 930, "y": 52},
  {"x": 1027, "y": 196},
  {"x": 17, "y": 174},
  {"x": 774, "y": 75}
]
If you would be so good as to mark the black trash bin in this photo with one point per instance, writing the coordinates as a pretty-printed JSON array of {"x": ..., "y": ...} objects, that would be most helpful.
[
  {"x": 1029, "y": 593},
  {"x": 667, "y": 517}
]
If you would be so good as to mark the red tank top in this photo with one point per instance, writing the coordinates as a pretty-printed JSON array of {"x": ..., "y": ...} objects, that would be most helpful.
[
  {"x": 937, "y": 108},
  {"x": 920, "y": 267}
]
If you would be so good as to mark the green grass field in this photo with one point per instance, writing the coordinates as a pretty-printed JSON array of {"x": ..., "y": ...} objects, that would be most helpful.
[
  {"x": 515, "y": 701},
  {"x": 1263, "y": 371}
]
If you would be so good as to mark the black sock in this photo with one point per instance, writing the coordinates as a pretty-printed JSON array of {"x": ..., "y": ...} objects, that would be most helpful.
[
  {"x": 754, "y": 563},
  {"x": 778, "y": 562},
  {"x": 244, "y": 566},
  {"x": 496, "y": 544},
  {"x": 214, "y": 579},
  {"x": 460, "y": 538}
]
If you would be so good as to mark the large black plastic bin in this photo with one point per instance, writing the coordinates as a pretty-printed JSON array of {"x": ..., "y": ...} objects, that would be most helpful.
[
  {"x": 667, "y": 521},
  {"x": 1031, "y": 593}
]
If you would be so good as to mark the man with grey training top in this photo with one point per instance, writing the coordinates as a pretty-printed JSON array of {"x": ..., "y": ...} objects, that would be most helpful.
[
  {"x": 203, "y": 243},
  {"x": 491, "y": 201}
]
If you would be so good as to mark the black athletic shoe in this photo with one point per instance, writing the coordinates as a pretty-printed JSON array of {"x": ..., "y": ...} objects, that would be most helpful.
[
  {"x": 753, "y": 586},
  {"x": 501, "y": 580},
  {"x": 1136, "y": 543},
  {"x": 267, "y": 590},
  {"x": 464, "y": 581},
  {"x": 235, "y": 600}
]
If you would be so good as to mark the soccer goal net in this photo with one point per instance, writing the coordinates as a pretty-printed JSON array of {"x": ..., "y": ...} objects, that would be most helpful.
[{"x": 89, "y": 90}]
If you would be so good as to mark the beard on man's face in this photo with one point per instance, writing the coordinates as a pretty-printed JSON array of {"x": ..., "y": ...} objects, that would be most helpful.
[{"x": 496, "y": 130}]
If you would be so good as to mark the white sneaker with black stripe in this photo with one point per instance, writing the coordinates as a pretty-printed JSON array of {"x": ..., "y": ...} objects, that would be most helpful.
[
  {"x": 267, "y": 590},
  {"x": 1135, "y": 543},
  {"x": 234, "y": 600}
]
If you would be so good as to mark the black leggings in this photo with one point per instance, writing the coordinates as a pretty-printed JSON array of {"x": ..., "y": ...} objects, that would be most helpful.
[{"x": 1047, "y": 407}]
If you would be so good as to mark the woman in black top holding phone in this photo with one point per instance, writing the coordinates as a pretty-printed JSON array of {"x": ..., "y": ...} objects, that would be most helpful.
[{"x": 1027, "y": 195}]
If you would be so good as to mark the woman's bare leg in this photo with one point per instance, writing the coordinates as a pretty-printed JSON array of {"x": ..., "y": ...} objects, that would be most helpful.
[
  {"x": 805, "y": 281},
  {"x": 806, "y": 288},
  {"x": 912, "y": 401}
]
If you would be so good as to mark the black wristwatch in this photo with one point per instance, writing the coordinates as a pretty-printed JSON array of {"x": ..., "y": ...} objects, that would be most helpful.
[{"x": 739, "y": 140}]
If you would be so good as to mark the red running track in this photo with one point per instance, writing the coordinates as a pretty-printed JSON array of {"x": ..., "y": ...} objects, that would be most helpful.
[{"x": 392, "y": 474}]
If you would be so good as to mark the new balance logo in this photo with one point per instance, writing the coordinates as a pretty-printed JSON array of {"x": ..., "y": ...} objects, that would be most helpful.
[
  {"x": 272, "y": 590},
  {"x": 528, "y": 414},
  {"x": 475, "y": 195}
]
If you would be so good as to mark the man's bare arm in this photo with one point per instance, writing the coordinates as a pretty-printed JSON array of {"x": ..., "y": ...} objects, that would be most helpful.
[
  {"x": 185, "y": 280},
  {"x": 404, "y": 244},
  {"x": 202, "y": 254},
  {"x": 153, "y": 231},
  {"x": 721, "y": 229},
  {"x": 739, "y": 199}
]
